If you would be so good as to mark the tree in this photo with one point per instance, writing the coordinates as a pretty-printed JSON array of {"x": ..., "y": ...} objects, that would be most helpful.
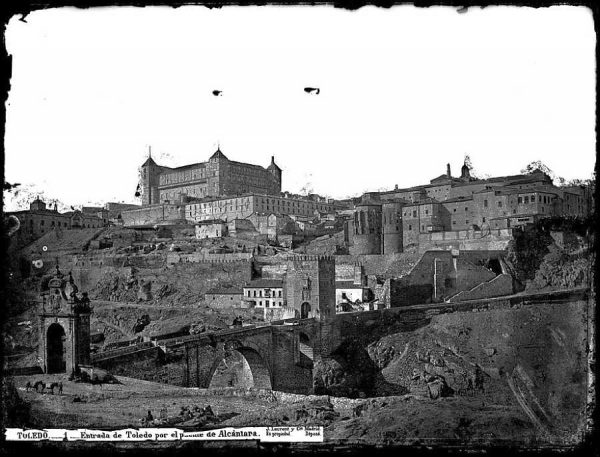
[
  {"x": 537, "y": 165},
  {"x": 527, "y": 250},
  {"x": 474, "y": 174},
  {"x": 468, "y": 162}
]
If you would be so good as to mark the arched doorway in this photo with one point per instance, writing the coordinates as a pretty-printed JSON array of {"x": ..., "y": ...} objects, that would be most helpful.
[
  {"x": 56, "y": 347},
  {"x": 304, "y": 310},
  {"x": 242, "y": 367}
]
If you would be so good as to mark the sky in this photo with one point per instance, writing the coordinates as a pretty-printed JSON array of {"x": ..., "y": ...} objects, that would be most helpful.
[{"x": 403, "y": 92}]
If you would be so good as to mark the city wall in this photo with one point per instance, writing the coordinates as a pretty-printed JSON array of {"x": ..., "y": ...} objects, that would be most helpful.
[
  {"x": 103, "y": 275},
  {"x": 493, "y": 239},
  {"x": 179, "y": 257},
  {"x": 384, "y": 265},
  {"x": 154, "y": 214}
]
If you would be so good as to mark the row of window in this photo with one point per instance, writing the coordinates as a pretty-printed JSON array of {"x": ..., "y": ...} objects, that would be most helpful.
[
  {"x": 264, "y": 293},
  {"x": 172, "y": 178},
  {"x": 267, "y": 304},
  {"x": 269, "y": 202},
  {"x": 59, "y": 224},
  {"x": 526, "y": 199}
]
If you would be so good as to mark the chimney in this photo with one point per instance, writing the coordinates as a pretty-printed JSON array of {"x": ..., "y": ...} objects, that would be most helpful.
[
  {"x": 448, "y": 170},
  {"x": 273, "y": 160}
]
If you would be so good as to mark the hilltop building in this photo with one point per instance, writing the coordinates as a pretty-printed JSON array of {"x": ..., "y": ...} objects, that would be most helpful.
[
  {"x": 39, "y": 219},
  {"x": 242, "y": 206},
  {"x": 219, "y": 189},
  {"x": 263, "y": 293},
  {"x": 217, "y": 177},
  {"x": 388, "y": 222}
]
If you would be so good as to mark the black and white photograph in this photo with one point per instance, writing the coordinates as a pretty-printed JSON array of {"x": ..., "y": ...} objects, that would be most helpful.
[{"x": 299, "y": 228}]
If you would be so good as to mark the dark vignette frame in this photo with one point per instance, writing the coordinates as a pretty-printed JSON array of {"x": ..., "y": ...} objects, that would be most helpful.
[{"x": 591, "y": 443}]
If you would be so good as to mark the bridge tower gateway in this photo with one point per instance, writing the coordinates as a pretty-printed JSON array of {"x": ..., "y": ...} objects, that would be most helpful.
[
  {"x": 64, "y": 320},
  {"x": 310, "y": 290},
  {"x": 310, "y": 286}
]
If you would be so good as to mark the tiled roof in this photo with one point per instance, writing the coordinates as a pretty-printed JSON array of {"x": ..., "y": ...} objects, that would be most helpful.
[
  {"x": 347, "y": 285},
  {"x": 265, "y": 284},
  {"x": 218, "y": 155},
  {"x": 424, "y": 201},
  {"x": 222, "y": 290},
  {"x": 149, "y": 161},
  {"x": 187, "y": 167}
]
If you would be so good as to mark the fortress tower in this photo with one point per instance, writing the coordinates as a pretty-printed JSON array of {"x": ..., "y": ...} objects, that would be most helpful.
[
  {"x": 367, "y": 226},
  {"x": 150, "y": 180},
  {"x": 274, "y": 169},
  {"x": 392, "y": 226},
  {"x": 64, "y": 326},
  {"x": 310, "y": 286}
]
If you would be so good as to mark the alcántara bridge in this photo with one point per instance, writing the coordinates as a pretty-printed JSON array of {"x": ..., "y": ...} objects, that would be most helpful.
[{"x": 281, "y": 356}]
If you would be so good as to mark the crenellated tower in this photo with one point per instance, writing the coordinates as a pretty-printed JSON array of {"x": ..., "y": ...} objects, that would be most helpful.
[
  {"x": 274, "y": 169},
  {"x": 150, "y": 172},
  {"x": 310, "y": 286}
]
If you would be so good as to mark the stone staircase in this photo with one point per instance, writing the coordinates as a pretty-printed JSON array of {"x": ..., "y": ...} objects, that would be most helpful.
[
  {"x": 307, "y": 350},
  {"x": 495, "y": 287}
]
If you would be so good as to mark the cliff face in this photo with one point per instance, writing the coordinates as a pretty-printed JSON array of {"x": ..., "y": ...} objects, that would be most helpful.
[{"x": 532, "y": 358}]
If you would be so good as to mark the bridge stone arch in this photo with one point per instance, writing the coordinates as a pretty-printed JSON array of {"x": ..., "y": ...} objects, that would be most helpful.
[
  {"x": 271, "y": 356},
  {"x": 240, "y": 364},
  {"x": 306, "y": 349}
]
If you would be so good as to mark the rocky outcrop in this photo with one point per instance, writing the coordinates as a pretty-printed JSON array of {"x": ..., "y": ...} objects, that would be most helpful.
[{"x": 561, "y": 272}]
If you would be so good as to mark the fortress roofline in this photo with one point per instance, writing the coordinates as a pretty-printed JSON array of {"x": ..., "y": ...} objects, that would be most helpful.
[
  {"x": 303, "y": 257},
  {"x": 218, "y": 155},
  {"x": 149, "y": 161}
]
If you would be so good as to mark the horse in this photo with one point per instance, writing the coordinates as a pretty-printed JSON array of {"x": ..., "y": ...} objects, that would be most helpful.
[{"x": 41, "y": 387}]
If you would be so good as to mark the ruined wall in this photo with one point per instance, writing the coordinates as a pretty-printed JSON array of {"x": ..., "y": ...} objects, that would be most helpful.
[
  {"x": 276, "y": 271},
  {"x": 153, "y": 214},
  {"x": 181, "y": 257},
  {"x": 276, "y": 314},
  {"x": 325, "y": 245},
  {"x": 385, "y": 265},
  {"x": 438, "y": 275},
  {"x": 468, "y": 240}
]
